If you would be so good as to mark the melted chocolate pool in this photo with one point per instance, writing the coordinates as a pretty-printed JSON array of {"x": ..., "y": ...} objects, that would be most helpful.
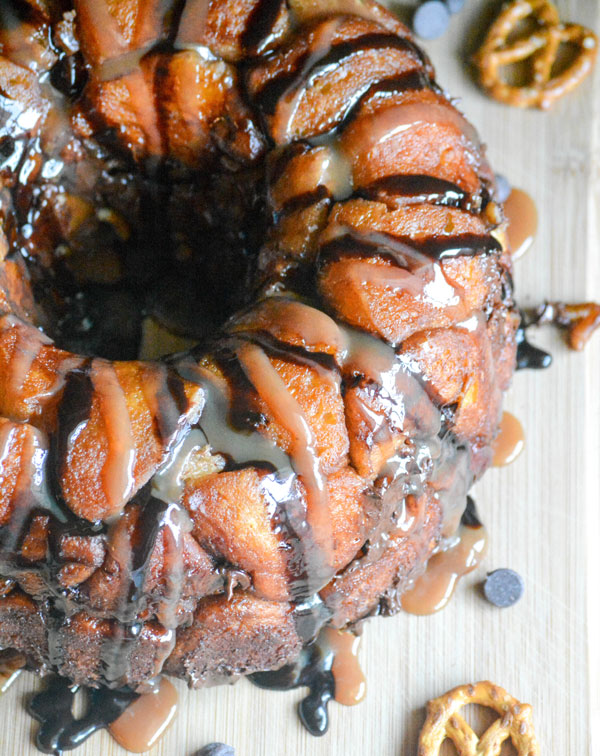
[
  {"x": 312, "y": 670},
  {"x": 53, "y": 708},
  {"x": 530, "y": 357}
]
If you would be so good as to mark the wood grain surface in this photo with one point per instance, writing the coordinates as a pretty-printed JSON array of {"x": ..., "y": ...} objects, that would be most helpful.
[{"x": 542, "y": 512}]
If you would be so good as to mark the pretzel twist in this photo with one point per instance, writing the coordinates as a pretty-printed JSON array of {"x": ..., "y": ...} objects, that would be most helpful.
[
  {"x": 542, "y": 46},
  {"x": 444, "y": 721}
]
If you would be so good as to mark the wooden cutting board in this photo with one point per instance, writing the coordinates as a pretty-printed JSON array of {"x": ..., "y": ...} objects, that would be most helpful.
[{"x": 542, "y": 512}]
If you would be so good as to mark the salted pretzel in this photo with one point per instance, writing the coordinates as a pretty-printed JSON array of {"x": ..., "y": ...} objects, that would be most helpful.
[
  {"x": 542, "y": 47},
  {"x": 444, "y": 721},
  {"x": 580, "y": 320}
]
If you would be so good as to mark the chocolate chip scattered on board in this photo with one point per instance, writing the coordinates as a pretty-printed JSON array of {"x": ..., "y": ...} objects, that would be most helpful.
[
  {"x": 216, "y": 749},
  {"x": 503, "y": 587},
  {"x": 431, "y": 19}
]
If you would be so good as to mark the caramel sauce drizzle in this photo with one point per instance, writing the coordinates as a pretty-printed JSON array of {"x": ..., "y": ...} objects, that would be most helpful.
[
  {"x": 118, "y": 469},
  {"x": 305, "y": 459},
  {"x": 522, "y": 218},
  {"x": 350, "y": 683},
  {"x": 433, "y": 590},
  {"x": 28, "y": 345},
  {"x": 146, "y": 720},
  {"x": 509, "y": 442},
  {"x": 356, "y": 354},
  {"x": 390, "y": 123},
  {"x": 96, "y": 15}
]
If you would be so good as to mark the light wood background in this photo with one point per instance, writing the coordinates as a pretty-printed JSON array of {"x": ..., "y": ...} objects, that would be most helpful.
[{"x": 543, "y": 513}]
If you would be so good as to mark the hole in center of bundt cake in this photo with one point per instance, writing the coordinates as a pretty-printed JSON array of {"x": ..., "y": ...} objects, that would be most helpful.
[{"x": 147, "y": 261}]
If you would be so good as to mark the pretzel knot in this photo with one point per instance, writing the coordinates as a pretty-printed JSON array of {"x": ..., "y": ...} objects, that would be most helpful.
[
  {"x": 443, "y": 721},
  {"x": 541, "y": 47}
]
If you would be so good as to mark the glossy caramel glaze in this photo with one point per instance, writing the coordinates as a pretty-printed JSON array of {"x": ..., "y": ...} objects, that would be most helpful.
[
  {"x": 509, "y": 442},
  {"x": 285, "y": 184},
  {"x": 145, "y": 721},
  {"x": 456, "y": 558},
  {"x": 522, "y": 222}
]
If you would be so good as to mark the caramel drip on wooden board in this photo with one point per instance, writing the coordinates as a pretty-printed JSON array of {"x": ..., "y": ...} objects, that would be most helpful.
[
  {"x": 521, "y": 214},
  {"x": 434, "y": 588},
  {"x": 350, "y": 683},
  {"x": 509, "y": 442},
  {"x": 146, "y": 720}
]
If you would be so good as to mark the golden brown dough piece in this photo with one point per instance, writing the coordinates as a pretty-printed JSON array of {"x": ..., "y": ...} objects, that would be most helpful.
[{"x": 285, "y": 183}]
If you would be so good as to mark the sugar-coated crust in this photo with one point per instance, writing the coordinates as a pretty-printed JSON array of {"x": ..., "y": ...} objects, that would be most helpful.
[{"x": 206, "y": 512}]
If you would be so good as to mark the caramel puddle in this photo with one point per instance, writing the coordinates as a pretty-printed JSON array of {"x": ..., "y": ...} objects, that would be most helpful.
[
  {"x": 509, "y": 442},
  {"x": 434, "y": 588},
  {"x": 146, "y": 719},
  {"x": 350, "y": 683},
  {"x": 521, "y": 213}
]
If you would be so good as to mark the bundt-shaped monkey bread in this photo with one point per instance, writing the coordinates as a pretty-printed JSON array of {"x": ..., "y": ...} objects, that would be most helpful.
[{"x": 283, "y": 182}]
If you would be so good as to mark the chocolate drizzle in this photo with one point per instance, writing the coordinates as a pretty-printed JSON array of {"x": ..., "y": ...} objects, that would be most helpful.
[
  {"x": 416, "y": 188},
  {"x": 404, "y": 251},
  {"x": 530, "y": 357},
  {"x": 312, "y": 670},
  {"x": 259, "y": 27},
  {"x": 311, "y": 66},
  {"x": 73, "y": 412},
  {"x": 148, "y": 525},
  {"x": 141, "y": 187},
  {"x": 59, "y": 730}
]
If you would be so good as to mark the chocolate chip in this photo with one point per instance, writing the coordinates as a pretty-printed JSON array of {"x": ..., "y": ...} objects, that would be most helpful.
[
  {"x": 503, "y": 587},
  {"x": 431, "y": 19},
  {"x": 454, "y": 6},
  {"x": 216, "y": 749},
  {"x": 503, "y": 188},
  {"x": 69, "y": 75}
]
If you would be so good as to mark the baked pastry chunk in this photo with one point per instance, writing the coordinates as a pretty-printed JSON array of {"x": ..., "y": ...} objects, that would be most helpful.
[{"x": 284, "y": 183}]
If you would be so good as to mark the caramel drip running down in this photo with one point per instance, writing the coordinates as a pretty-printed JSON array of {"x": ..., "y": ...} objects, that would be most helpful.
[
  {"x": 96, "y": 15},
  {"x": 27, "y": 349},
  {"x": 510, "y": 441},
  {"x": 145, "y": 720},
  {"x": 350, "y": 683},
  {"x": 521, "y": 215},
  {"x": 432, "y": 591},
  {"x": 117, "y": 472},
  {"x": 305, "y": 459}
]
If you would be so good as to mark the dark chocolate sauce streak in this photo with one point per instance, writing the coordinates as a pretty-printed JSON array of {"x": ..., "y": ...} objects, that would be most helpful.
[
  {"x": 147, "y": 527},
  {"x": 313, "y": 671},
  {"x": 530, "y": 357},
  {"x": 305, "y": 75},
  {"x": 73, "y": 411},
  {"x": 404, "y": 251},
  {"x": 59, "y": 730},
  {"x": 421, "y": 188},
  {"x": 470, "y": 517},
  {"x": 259, "y": 26}
]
